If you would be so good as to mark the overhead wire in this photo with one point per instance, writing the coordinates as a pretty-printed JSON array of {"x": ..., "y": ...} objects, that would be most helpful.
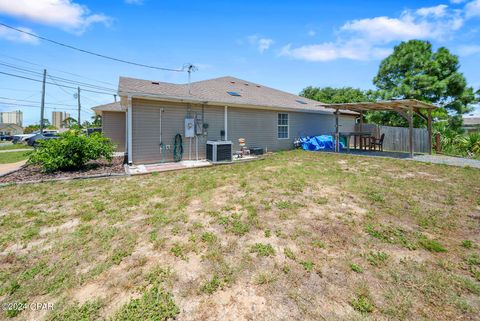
[{"x": 91, "y": 52}]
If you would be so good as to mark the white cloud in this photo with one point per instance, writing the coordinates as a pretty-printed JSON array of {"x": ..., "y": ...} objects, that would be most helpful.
[
  {"x": 312, "y": 33},
  {"x": 387, "y": 29},
  {"x": 137, "y": 2},
  {"x": 472, "y": 9},
  {"x": 372, "y": 38},
  {"x": 16, "y": 36},
  {"x": 262, "y": 44},
  {"x": 468, "y": 50},
  {"x": 436, "y": 11},
  {"x": 59, "y": 13},
  {"x": 457, "y": 1},
  {"x": 327, "y": 51}
]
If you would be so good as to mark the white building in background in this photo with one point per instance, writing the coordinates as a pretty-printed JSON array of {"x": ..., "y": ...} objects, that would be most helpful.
[
  {"x": 58, "y": 118},
  {"x": 12, "y": 117}
]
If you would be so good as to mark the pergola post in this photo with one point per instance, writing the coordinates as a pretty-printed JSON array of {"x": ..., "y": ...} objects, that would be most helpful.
[
  {"x": 337, "y": 137},
  {"x": 361, "y": 129},
  {"x": 410, "y": 131},
  {"x": 429, "y": 128}
]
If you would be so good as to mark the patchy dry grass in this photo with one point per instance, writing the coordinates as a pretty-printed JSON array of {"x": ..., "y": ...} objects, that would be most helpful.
[{"x": 300, "y": 236}]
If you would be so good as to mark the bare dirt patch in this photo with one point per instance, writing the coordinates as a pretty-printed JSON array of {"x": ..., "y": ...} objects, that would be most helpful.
[{"x": 33, "y": 173}]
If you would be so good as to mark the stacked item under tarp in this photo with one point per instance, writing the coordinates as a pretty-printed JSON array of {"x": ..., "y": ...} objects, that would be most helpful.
[{"x": 321, "y": 142}]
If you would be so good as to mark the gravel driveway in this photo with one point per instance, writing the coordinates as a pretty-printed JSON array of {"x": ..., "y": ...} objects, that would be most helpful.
[{"x": 447, "y": 160}]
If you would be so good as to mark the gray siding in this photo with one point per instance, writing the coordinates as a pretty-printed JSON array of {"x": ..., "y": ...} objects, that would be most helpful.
[
  {"x": 146, "y": 129},
  {"x": 258, "y": 127},
  {"x": 113, "y": 127}
]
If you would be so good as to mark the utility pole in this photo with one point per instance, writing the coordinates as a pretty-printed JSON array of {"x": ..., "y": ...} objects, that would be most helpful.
[
  {"x": 115, "y": 97},
  {"x": 42, "y": 107},
  {"x": 78, "y": 101}
]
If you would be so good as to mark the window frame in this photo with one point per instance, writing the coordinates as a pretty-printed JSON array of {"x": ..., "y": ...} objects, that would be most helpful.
[{"x": 283, "y": 126}]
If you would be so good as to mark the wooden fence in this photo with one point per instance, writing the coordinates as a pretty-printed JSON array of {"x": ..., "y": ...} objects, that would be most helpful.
[{"x": 396, "y": 138}]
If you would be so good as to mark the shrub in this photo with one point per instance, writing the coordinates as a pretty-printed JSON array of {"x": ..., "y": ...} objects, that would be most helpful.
[{"x": 71, "y": 151}]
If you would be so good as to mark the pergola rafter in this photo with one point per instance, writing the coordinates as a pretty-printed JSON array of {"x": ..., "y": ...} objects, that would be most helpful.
[{"x": 405, "y": 107}]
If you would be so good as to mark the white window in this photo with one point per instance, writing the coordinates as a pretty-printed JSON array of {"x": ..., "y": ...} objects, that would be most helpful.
[{"x": 282, "y": 126}]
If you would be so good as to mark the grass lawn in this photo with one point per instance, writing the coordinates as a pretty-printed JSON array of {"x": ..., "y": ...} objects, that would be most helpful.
[
  {"x": 13, "y": 157},
  {"x": 297, "y": 236},
  {"x": 14, "y": 146}
]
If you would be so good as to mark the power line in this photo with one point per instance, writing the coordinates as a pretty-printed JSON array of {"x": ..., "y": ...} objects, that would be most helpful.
[
  {"x": 59, "y": 70},
  {"x": 69, "y": 81},
  {"x": 33, "y": 106},
  {"x": 33, "y": 101},
  {"x": 90, "y": 52},
  {"x": 50, "y": 83}
]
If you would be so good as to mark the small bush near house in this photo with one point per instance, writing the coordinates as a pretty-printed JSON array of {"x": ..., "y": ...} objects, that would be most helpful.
[{"x": 73, "y": 150}]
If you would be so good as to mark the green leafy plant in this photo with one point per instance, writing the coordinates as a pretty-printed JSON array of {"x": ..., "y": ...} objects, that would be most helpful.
[
  {"x": 289, "y": 253},
  {"x": 73, "y": 150},
  {"x": 90, "y": 310},
  {"x": 262, "y": 249},
  {"x": 356, "y": 268},
  {"x": 212, "y": 285},
  {"x": 362, "y": 303},
  {"x": 467, "y": 244},
  {"x": 308, "y": 265},
  {"x": 431, "y": 245},
  {"x": 377, "y": 258},
  {"x": 155, "y": 304}
]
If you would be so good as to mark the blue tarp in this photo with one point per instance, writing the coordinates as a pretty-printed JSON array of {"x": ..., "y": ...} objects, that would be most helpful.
[{"x": 322, "y": 142}]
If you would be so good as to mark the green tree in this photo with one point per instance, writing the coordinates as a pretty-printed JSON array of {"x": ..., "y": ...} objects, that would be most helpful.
[
  {"x": 31, "y": 128},
  {"x": 415, "y": 71},
  {"x": 69, "y": 122},
  {"x": 338, "y": 95},
  {"x": 97, "y": 121}
]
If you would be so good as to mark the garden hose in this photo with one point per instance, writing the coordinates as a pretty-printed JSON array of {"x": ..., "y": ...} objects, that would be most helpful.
[{"x": 177, "y": 148}]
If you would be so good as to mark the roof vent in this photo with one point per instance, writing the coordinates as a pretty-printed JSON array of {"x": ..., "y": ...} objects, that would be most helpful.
[
  {"x": 300, "y": 101},
  {"x": 155, "y": 83},
  {"x": 232, "y": 82},
  {"x": 233, "y": 93}
]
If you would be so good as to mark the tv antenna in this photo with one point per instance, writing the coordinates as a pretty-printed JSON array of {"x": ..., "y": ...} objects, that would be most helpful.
[{"x": 190, "y": 68}]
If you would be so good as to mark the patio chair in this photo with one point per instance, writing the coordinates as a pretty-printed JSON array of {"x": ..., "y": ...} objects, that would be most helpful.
[
  {"x": 374, "y": 142},
  {"x": 243, "y": 149}
]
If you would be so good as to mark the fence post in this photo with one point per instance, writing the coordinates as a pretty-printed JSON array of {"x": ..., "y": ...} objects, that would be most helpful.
[{"x": 438, "y": 144}]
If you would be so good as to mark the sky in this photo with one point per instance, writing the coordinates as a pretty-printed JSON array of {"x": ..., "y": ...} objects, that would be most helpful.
[{"x": 286, "y": 45}]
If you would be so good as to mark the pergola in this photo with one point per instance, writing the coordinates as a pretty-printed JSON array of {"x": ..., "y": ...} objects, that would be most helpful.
[{"x": 405, "y": 107}]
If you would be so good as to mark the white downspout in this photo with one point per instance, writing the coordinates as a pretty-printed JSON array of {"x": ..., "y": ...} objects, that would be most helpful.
[
  {"x": 129, "y": 130},
  {"x": 225, "y": 122},
  {"x": 125, "y": 143}
]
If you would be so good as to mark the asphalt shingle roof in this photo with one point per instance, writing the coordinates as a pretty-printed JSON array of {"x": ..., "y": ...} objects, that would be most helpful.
[
  {"x": 109, "y": 107},
  {"x": 216, "y": 91}
]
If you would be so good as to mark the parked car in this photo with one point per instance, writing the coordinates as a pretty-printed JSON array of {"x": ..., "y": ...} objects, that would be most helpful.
[
  {"x": 17, "y": 139},
  {"x": 33, "y": 141},
  {"x": 6, "y": 137}
]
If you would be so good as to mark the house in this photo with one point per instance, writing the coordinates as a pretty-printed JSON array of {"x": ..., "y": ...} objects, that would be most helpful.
[
  {"x": 471, "y": 124},
  {"x": 10, "y": 129},
  {"x": 113, "y": 123},
  {"x": 150, "y": 114}
]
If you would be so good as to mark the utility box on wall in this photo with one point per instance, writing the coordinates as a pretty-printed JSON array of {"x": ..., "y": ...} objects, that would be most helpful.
[{"x": 189, "y": 127}]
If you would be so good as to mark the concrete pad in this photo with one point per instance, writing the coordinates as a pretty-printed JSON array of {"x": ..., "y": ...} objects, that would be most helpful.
[{"x": 7, "y": 168}]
